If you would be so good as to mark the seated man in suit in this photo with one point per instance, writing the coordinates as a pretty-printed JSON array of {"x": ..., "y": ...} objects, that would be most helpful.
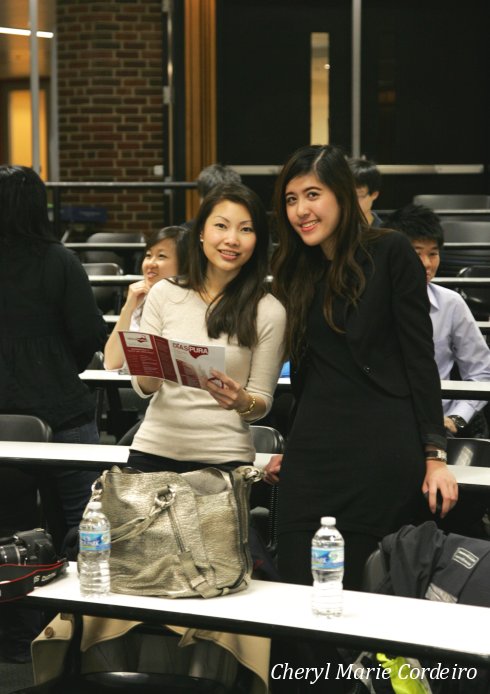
[{"x": 457, "y": 339}]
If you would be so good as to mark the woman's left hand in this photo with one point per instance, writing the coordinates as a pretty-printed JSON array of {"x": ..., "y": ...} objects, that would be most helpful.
[
  {"x": 228, "y": 393},
  {"x": 439, "y": 478}
]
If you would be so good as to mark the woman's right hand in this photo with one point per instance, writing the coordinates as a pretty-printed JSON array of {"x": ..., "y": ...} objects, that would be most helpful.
[
  {"x": 136, "y": 294},
  {"x": 272, "y": 469},
  {"x": 113, "y": 351}
]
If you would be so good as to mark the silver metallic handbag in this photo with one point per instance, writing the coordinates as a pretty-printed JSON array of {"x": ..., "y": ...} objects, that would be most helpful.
[{"x": 178, "y": 535}]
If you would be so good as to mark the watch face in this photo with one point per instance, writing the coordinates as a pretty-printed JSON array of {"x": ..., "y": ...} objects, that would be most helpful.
[{"x": 459, "y": 421}]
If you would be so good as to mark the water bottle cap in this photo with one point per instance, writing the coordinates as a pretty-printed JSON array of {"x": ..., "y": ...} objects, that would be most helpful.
[
  {"x": 94, "y": 505},
  {"x": 328, "y": 520}
]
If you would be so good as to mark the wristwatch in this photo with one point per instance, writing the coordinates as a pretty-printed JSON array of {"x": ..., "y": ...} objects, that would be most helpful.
[
  {"x": 436, "y": 454},
  {"x": 459, "y": 422}
]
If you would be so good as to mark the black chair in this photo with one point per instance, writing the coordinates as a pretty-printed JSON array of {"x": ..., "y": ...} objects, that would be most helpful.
[
  {"x": 125, "y": 409},
  {"x": 130, "y": 262},
  {"x": 97, "y": 363},
  {"x": 20, "y": 510},
  {"x": 467, "y": 517},
  {"x": 109, "y": 299},
  {"x": 267, "y": 440},
  {"x": 477, "y": 298},
  {"x": 127, "y": 438},
  {"x": 375, "y": 572},
  {"x": 20, "y": 427},
  {"x": 19, "y": 487},
  {"x": 31, "y": 490},
  {"x": 453, "y": 202}
]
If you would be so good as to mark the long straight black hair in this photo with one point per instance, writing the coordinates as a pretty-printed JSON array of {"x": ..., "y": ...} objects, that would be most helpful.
[
  {"x": 234, "y": 311},
  {"x": 296, "y": 267},
  {"x": 24, "y": 207}
]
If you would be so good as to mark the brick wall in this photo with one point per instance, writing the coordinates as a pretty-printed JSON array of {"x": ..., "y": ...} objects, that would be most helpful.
[{"x": 110, "y": 105}]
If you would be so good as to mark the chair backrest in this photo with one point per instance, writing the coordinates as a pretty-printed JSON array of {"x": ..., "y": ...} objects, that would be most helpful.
[
  {"x": 466, "y": 230},
  {"x": 115, "y": 237},
  {"x": 97, "y": 361},
  {"x": 20, "y": 427},
  {"x": 107, "y": 298},
  {"x": 127, "y": 438},
  {"x": 131, "y": 262},
  {"x": 453, "y": 202},
  {"x": 375, "y": 572},
  {"x": 477, "y": 298},
  {"x": 103, "y": 269},
  {"x": 267, "y": 439},
  {"x": 474, "y": 452}
]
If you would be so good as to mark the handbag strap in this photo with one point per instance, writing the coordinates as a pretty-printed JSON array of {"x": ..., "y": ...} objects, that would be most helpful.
[
  {"x": 164, "y": 498},
  {"x": 197, "y": 580}
]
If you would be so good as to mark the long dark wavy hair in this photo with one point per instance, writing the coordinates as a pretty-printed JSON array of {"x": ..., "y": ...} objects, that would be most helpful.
[
  {"x": 24, "y": 208},
  {"x": 234, "y": 311},
  {"x": 296, "y": 267}
]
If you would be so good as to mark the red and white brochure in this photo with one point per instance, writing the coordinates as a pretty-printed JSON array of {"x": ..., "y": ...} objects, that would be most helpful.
[{"x": 181, "y": 362}]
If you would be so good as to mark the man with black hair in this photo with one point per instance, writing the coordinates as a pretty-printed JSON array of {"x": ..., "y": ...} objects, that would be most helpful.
[
  {"x": 368, "y": 186},
  {"x": 209, "y": 177},
  {"x": 457, "y": 339},
  {"x": 215, "y": 175}
]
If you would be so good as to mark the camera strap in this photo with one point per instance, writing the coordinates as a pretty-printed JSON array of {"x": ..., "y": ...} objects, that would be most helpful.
[{"x": 17, "y": 580}]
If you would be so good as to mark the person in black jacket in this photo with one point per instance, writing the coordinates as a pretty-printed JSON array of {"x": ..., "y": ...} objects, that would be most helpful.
[
  {"x": 368, "y": 436},
  {"x": 51, "y": 328}
]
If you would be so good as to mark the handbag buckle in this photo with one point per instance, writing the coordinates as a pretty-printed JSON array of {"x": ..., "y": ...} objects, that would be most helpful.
[
  {"x": 252, "y": 474},
  {"x": 165, "y": 497}
]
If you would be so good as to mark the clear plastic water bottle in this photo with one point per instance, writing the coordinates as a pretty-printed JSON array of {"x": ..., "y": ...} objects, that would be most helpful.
[
  {"x": 95, "y": 550},
  {"x": 327, "y": 566}
]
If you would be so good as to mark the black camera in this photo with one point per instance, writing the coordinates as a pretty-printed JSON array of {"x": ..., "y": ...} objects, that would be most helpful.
[{"x": 28, "y": 547}]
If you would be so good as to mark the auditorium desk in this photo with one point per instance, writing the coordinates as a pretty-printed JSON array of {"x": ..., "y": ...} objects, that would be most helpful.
[
  {"x": 370, "y": 621},
  {"x": 462, "y": 281},
  {"x": 476, "y": 390},
  {"x": 113, "y": 280},
  {"x": 106, "y": 246},
  {"x": 67, "y": 455},
  {"x": 99, "y": 457}
]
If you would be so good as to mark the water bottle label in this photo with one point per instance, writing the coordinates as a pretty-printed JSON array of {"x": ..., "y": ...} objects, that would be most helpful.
[
  {"x": 327, "y": 558},
  {"x": 97, "y": 541}
]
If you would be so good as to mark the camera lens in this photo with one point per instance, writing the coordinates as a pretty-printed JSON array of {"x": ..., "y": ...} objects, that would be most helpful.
[{"x": 12, "y": 554}]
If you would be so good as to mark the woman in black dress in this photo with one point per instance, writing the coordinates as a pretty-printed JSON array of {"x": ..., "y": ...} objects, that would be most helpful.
[{"x": 368, "y": 436}]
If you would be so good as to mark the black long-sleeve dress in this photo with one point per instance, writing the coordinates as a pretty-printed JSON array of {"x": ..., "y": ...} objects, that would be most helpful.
[{"x": 356, "y": 447}]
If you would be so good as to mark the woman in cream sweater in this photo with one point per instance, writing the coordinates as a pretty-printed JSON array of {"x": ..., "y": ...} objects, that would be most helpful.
[{"x": 222, "y": 301}]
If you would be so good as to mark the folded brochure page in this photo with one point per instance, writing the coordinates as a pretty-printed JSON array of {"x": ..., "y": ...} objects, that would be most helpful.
[{"x": 173, "y": 360}]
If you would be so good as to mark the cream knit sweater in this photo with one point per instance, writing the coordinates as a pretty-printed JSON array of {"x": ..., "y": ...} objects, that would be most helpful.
[{"x": 187, "y": 423}]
